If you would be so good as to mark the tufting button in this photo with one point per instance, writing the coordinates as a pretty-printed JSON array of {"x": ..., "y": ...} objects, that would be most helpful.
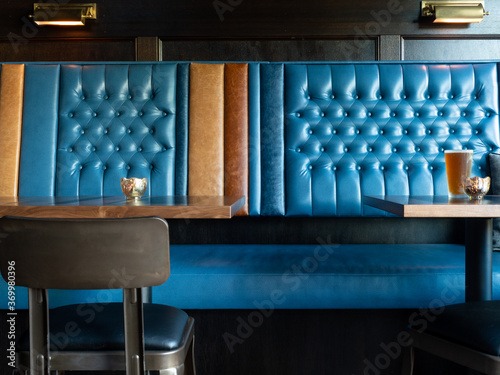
[
  {"x": 333, "y": 96},
  {"x": 70, "y": 149},
  {"x": 380, "y": 97},
  {"x": 93, "y": 149},
  {"x": 356, "y": 97},
  {"x": 151, "y": 131},
  {"x": 129, "y": 97},
  {"x": 334, "y": 131},
  {"x": 298, "y": 150},
  {"x": 452, "y": 96},
  {"x": 488, "y": 114},
  {"x": 431, "y": 167},
  {"x": 441, "y": 149},
  {"x": 106, "y": 131},
  {"x": 464, "y": 114},
  {"x": 358, "y": 167},
  {"x": 404, "y": 96},
  {"x": 479, "y": 167},
  {"x": 81, "y": 167},
  {"x": 298, "y": 114},
  {"x": 128, "y": 167},
  {"x": 370, "y": 149},
  {"x": 334, "y": 168},
  {"x": 164, "y": 149},
  {"x": 429, "y": 131},
  {"x": 71, "y": 114},
  {"x": 94, "y": 114},
  {"x": 394, "y": 149},
  {"x": 106, "y": 97},
  {"x": 139, "y": 149},
  {"x": 369, "y": 114},
  {"x": 417, "y": 149},
  {"x": 346, "y": 149},
  {"x": 381, "y": 132},
  {"x": 322, "y": 114},
  {"x": 358, "y": 131},
  {"x": 406, "y": 168},
  {"x": 117, "y": 148},
  {"x": 83, "y": 97},
  {"x": 104, "y": 167},
  {"x": 475, "y": 97},
  {"x": 393, "y": 114},
  {"x": 382, "y": 167},
  {"x": 452, "y": 131},
  {"x": 428, "y": 96},
  {"x": 165, "y": 114},
  {"x": 310, "y": 131},
  {"x": 117, "y": 114},
  {"x": 417, "y": 114},
  {"x": 151, "y": 166},
  {"x": 308, "y": 97},
  {"x": 476, "y": 131},
  {"x": 405, "y": 131},
  {"x": 82, "y": 131},
  {"x": 129, "y": 131},
  {"x": 310, "y": 167},
  {"x": 140, "y": 114},
  {"x": 322, "y": 149},
  {"x": 346, "y": 114},
  {"x": 441, "y": 114}
]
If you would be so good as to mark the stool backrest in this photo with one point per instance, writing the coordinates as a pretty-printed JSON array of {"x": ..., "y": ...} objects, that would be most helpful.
[{"x": 85, "y": 254}]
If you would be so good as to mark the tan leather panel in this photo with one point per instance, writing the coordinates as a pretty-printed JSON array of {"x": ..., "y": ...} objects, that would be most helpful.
[
  {"x": 11, "y": 117},
  {"x": 236, "y": 132},
  {"x": 206, "y": 129}
]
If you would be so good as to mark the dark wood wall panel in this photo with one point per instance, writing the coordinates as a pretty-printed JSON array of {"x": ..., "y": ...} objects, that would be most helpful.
[
  {"x": 269, "y": 50},
  {"x": 451, "y": 48},
  {"x": 68, "y": 50}
]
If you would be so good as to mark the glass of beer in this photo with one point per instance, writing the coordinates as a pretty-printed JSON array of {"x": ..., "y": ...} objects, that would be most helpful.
[{"x": 458, "y": 168}]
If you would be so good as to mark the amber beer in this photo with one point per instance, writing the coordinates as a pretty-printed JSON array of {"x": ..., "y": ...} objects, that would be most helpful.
[{"x": 458, "y": 168}]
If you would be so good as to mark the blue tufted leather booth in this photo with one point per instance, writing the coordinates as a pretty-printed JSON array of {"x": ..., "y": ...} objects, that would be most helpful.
[{"x": 320, "y": 136}]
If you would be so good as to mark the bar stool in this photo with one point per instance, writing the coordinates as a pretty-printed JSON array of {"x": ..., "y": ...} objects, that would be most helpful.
[
  {"x": 466, "y": 333},
  {"x": 126, "y": 254}
]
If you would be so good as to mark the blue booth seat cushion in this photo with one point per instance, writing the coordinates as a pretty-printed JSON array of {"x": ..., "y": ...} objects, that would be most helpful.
[
  {"x": 316, "y": 276},
  {"x": 99, "y": 327},
  {"x": 472, "y": 324}
]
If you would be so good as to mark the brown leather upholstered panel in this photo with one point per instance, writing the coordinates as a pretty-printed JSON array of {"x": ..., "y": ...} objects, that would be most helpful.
[
  {"x": 206, "y": 129},
  {"x": 11, "y": 117},
  {"x": 236, "y": 132}
]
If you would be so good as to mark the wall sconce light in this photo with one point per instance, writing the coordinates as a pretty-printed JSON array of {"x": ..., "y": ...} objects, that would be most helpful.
[
  {"x": 453, "y": 11},
  {"x": 63, "y": 14}
]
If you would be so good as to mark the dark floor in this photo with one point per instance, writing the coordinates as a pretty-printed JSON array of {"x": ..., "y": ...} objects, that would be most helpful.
[{"x": 345, "y": 342}]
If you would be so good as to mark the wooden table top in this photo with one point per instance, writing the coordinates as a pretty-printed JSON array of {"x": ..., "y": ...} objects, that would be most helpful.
[
  {"x": 168, "y": 207},
  {"x": 436, "y": 206}
]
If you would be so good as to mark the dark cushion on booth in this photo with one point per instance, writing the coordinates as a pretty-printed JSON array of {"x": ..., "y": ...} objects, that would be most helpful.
[
  {"x": 494, "y": 160},
  {"x": 98, "y": 326},
  {"x": 472, "y": 324}
]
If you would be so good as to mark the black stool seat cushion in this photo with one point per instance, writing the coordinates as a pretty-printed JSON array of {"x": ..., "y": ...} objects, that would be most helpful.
[
  {"x": 472, "y": 324},
  {"x": 99, "y": 327}
]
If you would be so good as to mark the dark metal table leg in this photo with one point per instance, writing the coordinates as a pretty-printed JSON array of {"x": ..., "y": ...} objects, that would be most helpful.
[{"x": 478, "y": 259}]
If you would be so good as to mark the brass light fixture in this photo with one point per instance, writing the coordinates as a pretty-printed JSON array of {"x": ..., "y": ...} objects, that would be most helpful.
[
  {"x": 63, "y": 14},
  {"x": 453, "y": 11}
]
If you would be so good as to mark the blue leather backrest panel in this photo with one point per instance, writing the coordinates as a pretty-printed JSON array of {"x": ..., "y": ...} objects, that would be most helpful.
[
  {"x": 39, "y": 134},
  {"x": 254, "y": 149},
  {"x": 375, "y": 129},
  {"x": 272, "y": 140},
  {"x": 181, "y": 156},
  {"x": 116, "y": 121}
]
